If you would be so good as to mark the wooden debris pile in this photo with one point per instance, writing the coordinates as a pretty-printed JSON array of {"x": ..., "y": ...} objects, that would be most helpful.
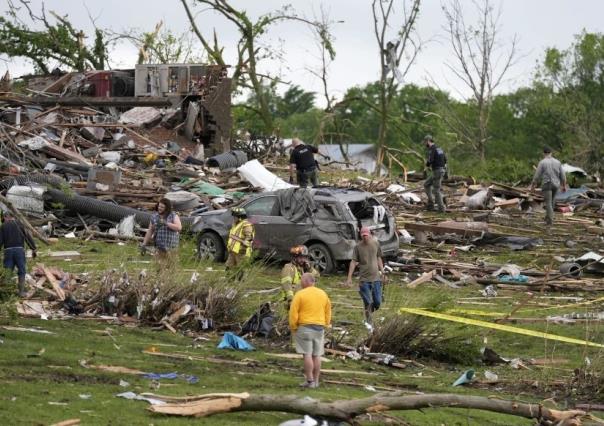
[
  {"x": 146, "y": 298},
  {"x": 130, "y": 157}
]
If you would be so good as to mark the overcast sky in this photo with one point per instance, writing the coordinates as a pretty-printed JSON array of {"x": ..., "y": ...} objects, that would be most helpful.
[{"x": 537, "y": 23}]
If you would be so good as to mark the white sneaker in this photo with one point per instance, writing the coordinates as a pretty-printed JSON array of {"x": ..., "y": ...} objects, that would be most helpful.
[{"x": 368, "y": 326}]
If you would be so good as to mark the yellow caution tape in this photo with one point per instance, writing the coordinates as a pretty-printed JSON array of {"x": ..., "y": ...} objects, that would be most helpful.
[
  {"x": 570, "y": 305},
  {"x": 476, "y": 312},
  {"x": 500, "y": 327}
]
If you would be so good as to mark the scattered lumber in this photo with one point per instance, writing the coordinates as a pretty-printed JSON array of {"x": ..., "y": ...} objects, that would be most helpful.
[
  {"x": 53, "y": 282},
  {"x": 424, "y": 278}
]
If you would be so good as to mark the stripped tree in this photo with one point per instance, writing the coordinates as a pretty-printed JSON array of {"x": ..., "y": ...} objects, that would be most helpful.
[
  {"x": 332, "y": 125},
  {"x": 250, "y": 50},
  {"x": 480, "y": 63},
  {"x": 397, "y": 54},
  {"x": 162, "y": 46}
]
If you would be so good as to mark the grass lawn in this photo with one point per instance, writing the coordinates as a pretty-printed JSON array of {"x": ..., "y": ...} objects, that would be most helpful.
[{"x": 44, "y": 380}]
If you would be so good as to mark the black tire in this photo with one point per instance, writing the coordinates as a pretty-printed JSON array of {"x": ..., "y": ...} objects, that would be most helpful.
[
  {"x": 210, "y": 247},
  {"x": 320, "y": 256}
]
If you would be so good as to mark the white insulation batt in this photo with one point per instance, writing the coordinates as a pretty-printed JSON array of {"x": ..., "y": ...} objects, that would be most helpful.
[{"x": 256, "y": 174}]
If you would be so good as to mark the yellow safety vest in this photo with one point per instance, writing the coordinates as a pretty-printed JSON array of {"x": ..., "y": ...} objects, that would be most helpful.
[
  {"x": 237, "y": 238},
  {"x": 291, "y": 278}
]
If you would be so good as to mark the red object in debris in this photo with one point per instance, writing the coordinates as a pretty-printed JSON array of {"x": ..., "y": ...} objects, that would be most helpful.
[
  {"x": 564, "y": 209},
  {"x": 102, "y": 83}
]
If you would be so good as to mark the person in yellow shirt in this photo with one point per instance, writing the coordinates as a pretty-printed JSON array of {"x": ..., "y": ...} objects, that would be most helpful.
[
  {"x": 309, "y": 314},
  {"x": 292, "y": 272},
  {"x": 239, "y": 243}
]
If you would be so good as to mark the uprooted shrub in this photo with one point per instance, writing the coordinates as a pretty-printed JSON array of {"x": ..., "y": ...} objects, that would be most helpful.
[
  {"x": 412, "y": 336},
  {"x": 155, "y": 299},
  {"x": 587, "y": 383}
]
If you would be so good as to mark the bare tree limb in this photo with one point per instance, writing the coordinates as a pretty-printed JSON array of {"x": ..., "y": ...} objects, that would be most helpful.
[
  {"x": 477, "y": 64},
  {"x": 348, "y": 410},
  {"x": 391, "y": 53}
]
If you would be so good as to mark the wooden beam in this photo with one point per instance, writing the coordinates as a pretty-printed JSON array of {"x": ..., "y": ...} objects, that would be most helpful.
[{"x": 438, "y": 229}]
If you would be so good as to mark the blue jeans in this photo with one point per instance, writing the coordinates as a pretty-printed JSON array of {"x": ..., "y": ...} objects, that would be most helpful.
[
  {"x": 371, "y": 293},
  {"x": 15, "y": 257}
]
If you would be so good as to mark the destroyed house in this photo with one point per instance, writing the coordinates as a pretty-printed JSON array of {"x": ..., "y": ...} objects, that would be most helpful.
[{"x": 201, "y": 93}]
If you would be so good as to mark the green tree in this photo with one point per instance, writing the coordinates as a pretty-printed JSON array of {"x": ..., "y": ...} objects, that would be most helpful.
[
  {"x": 413, "y": 112},
  {"x": 575, "y": 78},
  {"x": 294, "y": 101},
  {"x": 57, "y": 40}
]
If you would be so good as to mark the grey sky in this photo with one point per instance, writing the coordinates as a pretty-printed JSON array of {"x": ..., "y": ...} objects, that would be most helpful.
[{"x": 538, "y": 24}]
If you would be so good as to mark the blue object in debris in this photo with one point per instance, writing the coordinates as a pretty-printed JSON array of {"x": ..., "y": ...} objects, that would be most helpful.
[
  {"x": 158, "y": 376},
  {"x": 466, "y": 377},
  {"x": 190, "y": 378},
  {"x": 232, "y": 341},
  {"x": 511, "y": 279}
]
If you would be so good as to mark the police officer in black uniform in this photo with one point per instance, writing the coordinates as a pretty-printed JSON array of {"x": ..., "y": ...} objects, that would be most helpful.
[
  {"x": 437, "y": 162},
  {"x": 302, "y": 158}
]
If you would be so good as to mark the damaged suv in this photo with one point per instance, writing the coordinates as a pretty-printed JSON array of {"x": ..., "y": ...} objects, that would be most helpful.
[{"x": 326, "y": 220}]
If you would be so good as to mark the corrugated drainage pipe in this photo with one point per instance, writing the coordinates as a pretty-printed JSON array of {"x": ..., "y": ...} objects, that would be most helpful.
[
  {"x": 571, "y": 269},
  {"x": 103, "y": 209},
  {"x": 97, "y": 208},
  {"x": 228, "y": 160}
]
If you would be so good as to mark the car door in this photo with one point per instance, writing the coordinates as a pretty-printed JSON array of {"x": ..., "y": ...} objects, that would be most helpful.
[
  {"x": 259, "y": 211},
  {"x": 286, "y": 234}
]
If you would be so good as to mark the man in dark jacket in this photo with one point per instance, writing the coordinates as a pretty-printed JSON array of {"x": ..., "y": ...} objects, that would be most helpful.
[
  {"x": 302, "y": 160},
  {"x": 12, "y": 239},
  {"x": 437, "y": 162}
]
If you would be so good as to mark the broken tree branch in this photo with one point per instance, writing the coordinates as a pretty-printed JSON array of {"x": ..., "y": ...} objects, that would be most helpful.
[{"x": 347, "y": 410}]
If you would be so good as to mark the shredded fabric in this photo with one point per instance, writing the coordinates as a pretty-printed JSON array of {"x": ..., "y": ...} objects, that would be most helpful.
[{"x": 378, "y": 213}]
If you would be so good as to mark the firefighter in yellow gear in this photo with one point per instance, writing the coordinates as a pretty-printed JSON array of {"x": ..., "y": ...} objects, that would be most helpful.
[
  {"x": 291, "y": 274},
  {"x": 241, "y": 237}
]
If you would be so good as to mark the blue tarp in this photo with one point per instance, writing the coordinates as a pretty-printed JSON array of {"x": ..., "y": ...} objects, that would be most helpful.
[
  {"x": 232, "y": 341},
  {"x": 571, "y": 193},
  {"x": 511, "y": 279},
  {"x": 171, "y": 376}
]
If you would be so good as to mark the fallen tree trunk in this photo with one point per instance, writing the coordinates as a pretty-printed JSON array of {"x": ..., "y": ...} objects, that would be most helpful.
[{"x": 347, "y": 410}]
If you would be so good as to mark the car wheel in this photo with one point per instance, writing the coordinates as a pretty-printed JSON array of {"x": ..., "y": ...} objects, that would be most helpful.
[
  {"x": 320, "y": 257},
  {"x": 210, "y": 247}
]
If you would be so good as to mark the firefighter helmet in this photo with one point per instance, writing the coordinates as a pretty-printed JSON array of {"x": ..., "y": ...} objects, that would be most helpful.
[
  {"x": 238, "y": 212},
  {"x": 299, "y": 251}
]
